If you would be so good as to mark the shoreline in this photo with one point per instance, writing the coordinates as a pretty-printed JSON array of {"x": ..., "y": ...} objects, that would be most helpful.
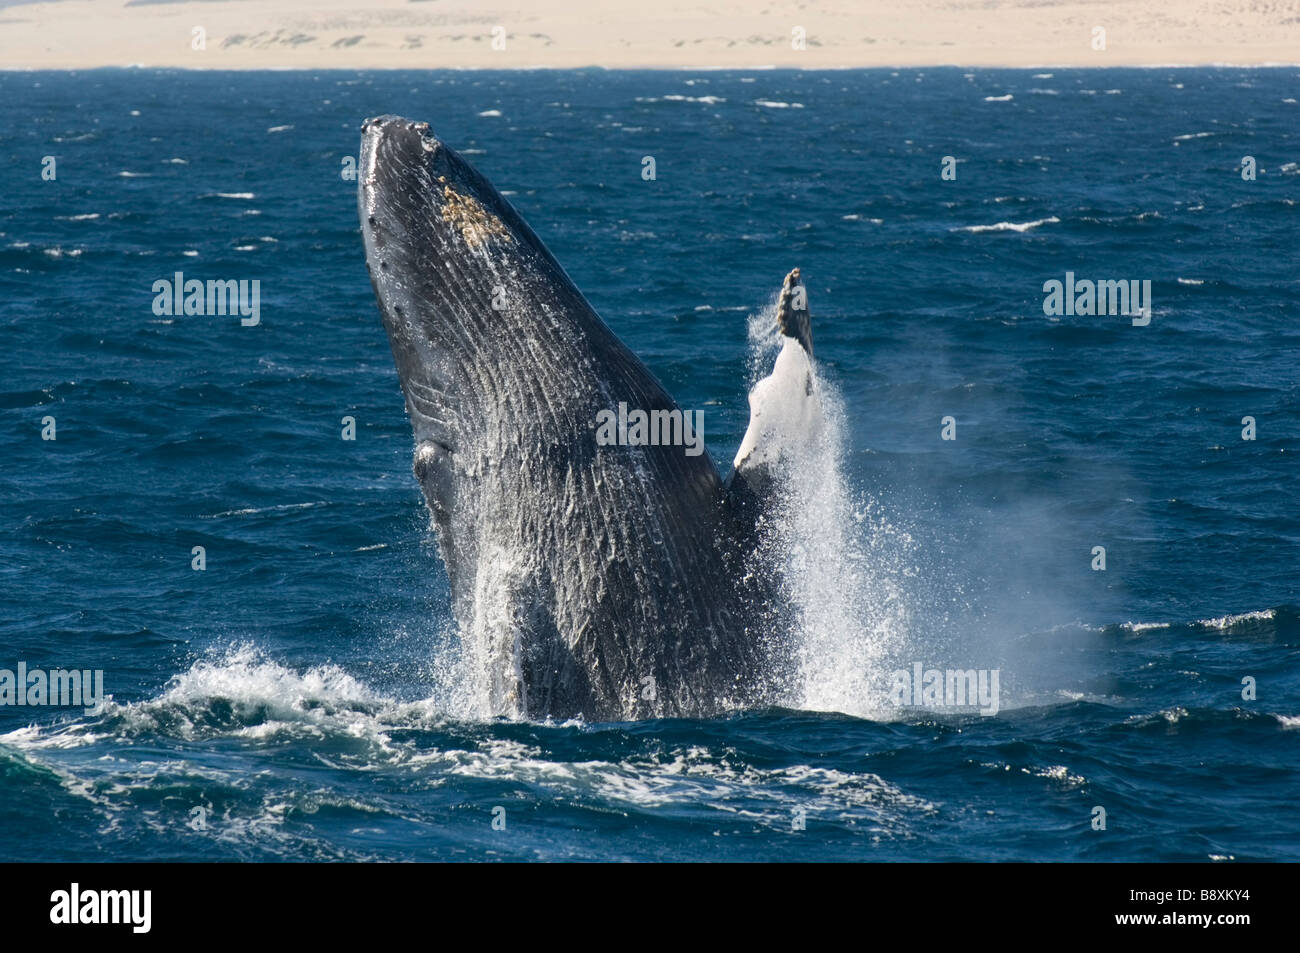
[
  {"x": 145, "y": 67},
  {"x": 680, "y": 35}
]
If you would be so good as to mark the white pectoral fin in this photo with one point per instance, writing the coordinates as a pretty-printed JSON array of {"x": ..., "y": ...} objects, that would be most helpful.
[{"x": 783, "y": 408}]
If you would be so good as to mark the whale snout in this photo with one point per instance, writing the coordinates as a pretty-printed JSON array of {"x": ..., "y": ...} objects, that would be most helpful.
[
  {"x": 405, "y": 134},
  {"x": 400, "y": 160},
  {"x": 393, "y": 150}
]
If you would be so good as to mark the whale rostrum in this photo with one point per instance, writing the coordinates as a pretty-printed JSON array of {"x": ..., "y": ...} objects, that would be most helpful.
[{"x": 603, "y": 579}]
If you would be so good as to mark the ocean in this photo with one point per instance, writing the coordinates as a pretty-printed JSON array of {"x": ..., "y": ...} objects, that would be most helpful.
[{"x": 1100, "y": 509}]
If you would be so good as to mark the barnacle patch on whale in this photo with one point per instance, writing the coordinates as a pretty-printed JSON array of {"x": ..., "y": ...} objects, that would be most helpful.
[{"x": 475, "y": 223}]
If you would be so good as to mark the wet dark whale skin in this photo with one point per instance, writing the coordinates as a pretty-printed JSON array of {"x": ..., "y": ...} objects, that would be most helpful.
[{"x": 609, "y": 582}]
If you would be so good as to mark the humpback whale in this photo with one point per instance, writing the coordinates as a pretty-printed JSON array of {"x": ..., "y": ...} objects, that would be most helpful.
[{"x": 607, "y": 581}]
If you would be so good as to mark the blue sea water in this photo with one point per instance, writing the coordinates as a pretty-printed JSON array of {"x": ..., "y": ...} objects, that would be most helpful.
[{"x": 302, "y": 698}]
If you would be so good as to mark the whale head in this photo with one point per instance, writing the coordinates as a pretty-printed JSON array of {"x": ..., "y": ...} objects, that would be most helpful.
[{"x": 439, "y": 240}]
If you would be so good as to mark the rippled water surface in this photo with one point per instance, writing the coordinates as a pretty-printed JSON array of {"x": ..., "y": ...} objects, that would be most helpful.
[{"x": 303, "y": 697}]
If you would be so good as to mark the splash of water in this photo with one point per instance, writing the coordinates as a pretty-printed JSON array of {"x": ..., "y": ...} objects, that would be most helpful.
[{"x": 840, "y": 559}]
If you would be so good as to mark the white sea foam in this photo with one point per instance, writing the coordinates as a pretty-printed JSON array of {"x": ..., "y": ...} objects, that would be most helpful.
[
  {"x": 1008, "y": 226},
  {"x": 1228, "y": 621},
  {"x": 250, "y": 511}
]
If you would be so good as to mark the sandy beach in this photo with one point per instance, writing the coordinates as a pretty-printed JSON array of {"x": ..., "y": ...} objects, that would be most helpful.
[{"x": 670, "y": 34}]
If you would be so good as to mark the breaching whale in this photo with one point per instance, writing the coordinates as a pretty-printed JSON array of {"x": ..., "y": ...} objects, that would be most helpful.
[{"x": 604, "y": 581}]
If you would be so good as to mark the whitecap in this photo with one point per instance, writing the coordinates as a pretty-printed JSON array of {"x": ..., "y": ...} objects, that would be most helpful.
[
  {"x": 1007, "y": 226},
  {"x": 1139, "y": 627},
  {"x": 1227, "y": 621}
]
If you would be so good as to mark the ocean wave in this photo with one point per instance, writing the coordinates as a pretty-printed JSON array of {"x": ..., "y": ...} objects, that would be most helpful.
[
  {"x": 678, "y": 98},
  {"x": 1242, "y": 621},
  {"x": 1007, "y": 226},
  {"x": 239, "y": 693},
  {"x": 255, "y": 510},
  {"x": 246, "y": 697},
  {"x": 1232, "y": 621}
]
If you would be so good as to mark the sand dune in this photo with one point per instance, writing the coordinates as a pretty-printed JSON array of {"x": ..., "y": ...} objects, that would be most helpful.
[{"x": 504, "y": 34}]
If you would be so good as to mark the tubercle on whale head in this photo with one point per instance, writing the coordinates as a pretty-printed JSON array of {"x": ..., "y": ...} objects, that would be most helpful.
[
  {"x": 405, "y": 169},
  {"x": 422, "y": 207},
  {"x": 391, "y": 147}
]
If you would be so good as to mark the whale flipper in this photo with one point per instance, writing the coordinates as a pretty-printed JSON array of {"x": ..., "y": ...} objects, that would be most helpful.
[
  {"x": 594, "y": 579},
  {"x": 784, "y": 408}
]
